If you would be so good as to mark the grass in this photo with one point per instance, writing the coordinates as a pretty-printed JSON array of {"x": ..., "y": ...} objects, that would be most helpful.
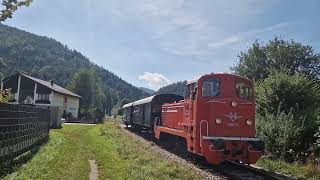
[
  {"x": 118, "y": 155},
  {"x": 300, "y": 171}
]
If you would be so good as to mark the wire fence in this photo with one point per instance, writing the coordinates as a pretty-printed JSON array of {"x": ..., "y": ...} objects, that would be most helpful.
[{"x": 21, "y": 128}]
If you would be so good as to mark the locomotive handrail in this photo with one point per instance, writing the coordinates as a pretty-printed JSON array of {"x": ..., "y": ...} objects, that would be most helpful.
[
  {"x": 201, "y": 122},
  {"x": 156, "y": 120}
]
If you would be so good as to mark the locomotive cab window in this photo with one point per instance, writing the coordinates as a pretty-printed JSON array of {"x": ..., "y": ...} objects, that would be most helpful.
[
  {"x": 244, "y": 90},
  {"x": 211, "y": 87}
]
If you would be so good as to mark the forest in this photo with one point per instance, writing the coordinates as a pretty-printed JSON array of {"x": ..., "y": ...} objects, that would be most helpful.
[{"x": 47, "y": 59}]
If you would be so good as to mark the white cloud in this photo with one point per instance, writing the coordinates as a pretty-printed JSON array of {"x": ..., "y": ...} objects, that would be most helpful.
[
  {"x": 154, "y": 80},
  {"x": 243, "y": 35},
  {"x": 224, "y": 42},
  {"x": 192, "y": 28}
]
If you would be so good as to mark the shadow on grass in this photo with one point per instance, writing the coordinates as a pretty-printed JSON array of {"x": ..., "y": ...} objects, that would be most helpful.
[{"x": 11, "y": 166}]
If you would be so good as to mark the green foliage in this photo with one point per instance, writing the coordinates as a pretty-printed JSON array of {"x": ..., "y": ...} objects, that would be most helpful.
[
  {"x": 116, "y": 110},
  {"x": 147, "y": 90},
  {"x": 87, "y": 84},
  {"x": 175, "y": 88},
  {"x": 281, "y": 133},
  {"x": 317, "y": 134},
  {"x": 296, "y": 170},
  {"x": 48, "y": 59},
  {"x": 261, "y": 59},
  {"x": 296, "y": 93},
  {"x": 286, "y": 114},
  {"x": 5, "y": 96},
  {"x": 11, "y": 6}
]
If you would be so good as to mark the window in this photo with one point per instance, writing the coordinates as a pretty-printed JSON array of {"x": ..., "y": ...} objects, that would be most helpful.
[
  {"x": 136, "y": 109},
  {"x": 65, "y": 99},
  {"x": 244, "y": 90},
  {"x": 211, "y": 87},
  {"x": 44, "y": 97}
]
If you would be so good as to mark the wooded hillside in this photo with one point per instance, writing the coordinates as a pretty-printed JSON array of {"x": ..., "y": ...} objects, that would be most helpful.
[
  {"x": 48, "y": 59},
  {"x": 174, "y": 88}
]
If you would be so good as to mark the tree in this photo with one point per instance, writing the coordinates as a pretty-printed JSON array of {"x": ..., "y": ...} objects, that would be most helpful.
[
  {"x": 87, "y": 84},
  {"x": 175, "y": 88},
  {"x": 11, "y": 6},
  {"x": 259, "y": 60}
]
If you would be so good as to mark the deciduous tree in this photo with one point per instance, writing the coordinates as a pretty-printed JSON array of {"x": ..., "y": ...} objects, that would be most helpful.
[
  {"x": 293, "y": 57},
  {"x": 10, "y": 6}
]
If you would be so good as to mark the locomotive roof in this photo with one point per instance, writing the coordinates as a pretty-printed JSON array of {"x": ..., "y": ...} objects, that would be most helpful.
[
  {"x": 193, "y": 80},
  {"x": 197, "y": 78}
]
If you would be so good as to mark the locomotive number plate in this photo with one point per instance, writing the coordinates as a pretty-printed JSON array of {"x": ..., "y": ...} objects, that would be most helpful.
[{"x": 233, "y": 124}]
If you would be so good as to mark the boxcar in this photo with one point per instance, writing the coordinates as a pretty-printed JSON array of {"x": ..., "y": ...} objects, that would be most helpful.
[{"x": 142, "y": 113}]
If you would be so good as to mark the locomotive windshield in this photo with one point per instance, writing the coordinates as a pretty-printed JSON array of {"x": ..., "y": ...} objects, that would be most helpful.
[
  {"x": 244, "y": 90},
  {"x": 211, "y": 87}
]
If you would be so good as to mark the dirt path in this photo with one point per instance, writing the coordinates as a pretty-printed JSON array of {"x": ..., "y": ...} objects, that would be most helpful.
[{"x": 94, "y": 174}]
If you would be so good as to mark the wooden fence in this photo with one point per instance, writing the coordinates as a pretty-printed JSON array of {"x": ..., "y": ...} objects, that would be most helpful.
[{"x": 21, "y": 128}]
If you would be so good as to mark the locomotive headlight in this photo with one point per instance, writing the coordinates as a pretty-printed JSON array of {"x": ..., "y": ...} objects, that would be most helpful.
[
  {"x": 249, "y": 122},
  {"x": 218, "y": 121},
  {"x": 234, "y": 104}
]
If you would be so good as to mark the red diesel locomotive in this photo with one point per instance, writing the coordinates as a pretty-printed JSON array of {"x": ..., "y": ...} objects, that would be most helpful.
[{"x": 216, "y": 118}]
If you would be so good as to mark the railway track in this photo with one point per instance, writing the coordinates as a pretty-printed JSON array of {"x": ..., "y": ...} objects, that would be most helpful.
[
  {"x": 228, "y": 170},
  {"x": 240, "y": 171}
]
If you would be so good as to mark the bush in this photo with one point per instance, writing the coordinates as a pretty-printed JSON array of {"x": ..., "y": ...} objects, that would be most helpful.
[
  {"x": 67, "y": 115},
  {"x": 281, "y": 134},
  {"x": 293, "y": 93},
  {"x": 287, "y": 108},
  {"x": 5, "y": 96}
]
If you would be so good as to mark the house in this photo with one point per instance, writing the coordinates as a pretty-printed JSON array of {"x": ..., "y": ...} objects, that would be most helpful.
[{"x": 30, "y": 90}]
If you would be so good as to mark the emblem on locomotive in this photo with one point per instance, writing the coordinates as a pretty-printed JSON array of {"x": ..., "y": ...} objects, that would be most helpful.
[{"x": 233, "y": 116}]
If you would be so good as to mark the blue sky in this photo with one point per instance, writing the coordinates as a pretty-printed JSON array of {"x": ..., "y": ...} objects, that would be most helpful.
[{"x": 152, "y": 43}]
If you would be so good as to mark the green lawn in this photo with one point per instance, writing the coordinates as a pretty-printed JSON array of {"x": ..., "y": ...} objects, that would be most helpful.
[
  {"x": 300, "y": 171},
  {"x": 118, "y": 155}
]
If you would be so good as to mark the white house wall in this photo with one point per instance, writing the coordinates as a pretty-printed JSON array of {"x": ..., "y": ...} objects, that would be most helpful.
[
  {"x": 71, "y": 106},
  {"x": 57, "y": 100}
]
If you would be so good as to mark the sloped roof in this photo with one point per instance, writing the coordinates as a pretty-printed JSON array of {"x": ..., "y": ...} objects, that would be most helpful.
[
  {"x": 55, "y": 87},
  {"x": 127, "y": 105}
]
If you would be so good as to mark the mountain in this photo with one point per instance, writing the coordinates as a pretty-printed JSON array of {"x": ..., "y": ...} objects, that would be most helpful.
[
  {"x": 48, "y": 59},
  {"x": 147, "y": 90},
  {"x": 175, "y": 88}
]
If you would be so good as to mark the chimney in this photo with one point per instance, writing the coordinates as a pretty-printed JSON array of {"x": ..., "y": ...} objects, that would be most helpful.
[{"x": 51, "y": 82}]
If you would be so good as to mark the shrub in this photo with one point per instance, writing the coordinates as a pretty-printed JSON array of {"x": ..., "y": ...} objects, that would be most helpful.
[
  {"x": 281, "y": 134},
  {"x": 287, "y": 108},
  {"x": 5, "y": 96},
  {"x": 294, "y": 93}
]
